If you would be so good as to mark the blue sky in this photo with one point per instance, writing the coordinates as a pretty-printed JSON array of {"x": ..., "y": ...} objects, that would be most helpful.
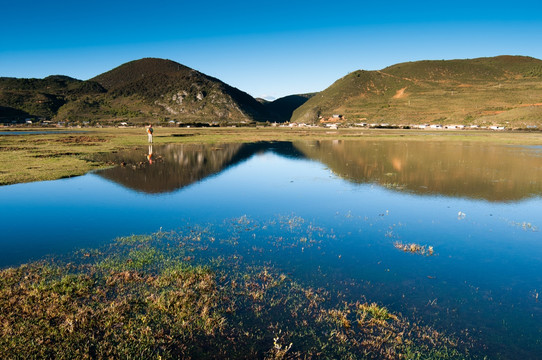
[{"x": 264, "y": 48}]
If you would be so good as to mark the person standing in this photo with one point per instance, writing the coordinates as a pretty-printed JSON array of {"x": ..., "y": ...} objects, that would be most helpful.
[{"x": 149, "y": 132}]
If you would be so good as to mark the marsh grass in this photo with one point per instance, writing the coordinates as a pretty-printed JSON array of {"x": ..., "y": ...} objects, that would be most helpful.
[
  {"x": 196, "y": 293},
  {"x": 414, "y": 248}
]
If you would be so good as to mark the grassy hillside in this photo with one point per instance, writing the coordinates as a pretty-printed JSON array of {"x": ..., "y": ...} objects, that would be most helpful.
[{"x": 503, "y": 90}]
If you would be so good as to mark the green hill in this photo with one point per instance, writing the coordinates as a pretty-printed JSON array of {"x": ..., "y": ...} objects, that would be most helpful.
[{"x": 484, "y": 91}]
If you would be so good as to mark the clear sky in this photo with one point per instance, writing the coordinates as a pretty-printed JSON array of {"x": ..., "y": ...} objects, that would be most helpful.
[{"x": 268, "y": 49}]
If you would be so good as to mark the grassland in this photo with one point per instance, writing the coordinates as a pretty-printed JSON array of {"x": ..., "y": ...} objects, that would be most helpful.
[{"x": 26, "y": 158}]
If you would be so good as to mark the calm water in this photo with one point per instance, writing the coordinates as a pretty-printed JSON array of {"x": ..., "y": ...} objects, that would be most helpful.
[{"x": 478, "y": 206}]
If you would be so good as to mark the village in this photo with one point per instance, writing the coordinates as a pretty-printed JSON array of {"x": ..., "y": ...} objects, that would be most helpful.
[{"x": 337, "y": 121}]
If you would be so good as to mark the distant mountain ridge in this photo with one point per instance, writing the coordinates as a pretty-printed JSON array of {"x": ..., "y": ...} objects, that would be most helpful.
[
  {"x": 285, "y": 106},
  {"x": 502, "y": 89}
]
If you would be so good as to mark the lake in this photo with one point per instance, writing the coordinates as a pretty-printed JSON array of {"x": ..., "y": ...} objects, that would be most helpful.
[{"x": 445, "y": 233}]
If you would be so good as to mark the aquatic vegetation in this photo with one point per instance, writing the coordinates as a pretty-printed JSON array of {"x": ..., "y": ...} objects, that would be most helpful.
[
  {"x": 278, "y": 351},
  {"x": 291, "y": 221},
  {"x": 373, "y": 311},
  {"x": 133, "y": 239},
  {"x": 393, "y": 185},
  {"x": 140, "y": 297},
  {"x": 524, "y": 225},
  {"x": 414, "y": 248}
]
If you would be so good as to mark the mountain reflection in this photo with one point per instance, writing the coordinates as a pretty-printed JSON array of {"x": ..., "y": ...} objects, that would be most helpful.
[
  {"x": 166, "y": 168},
  {"x": 472, "y": 170}
]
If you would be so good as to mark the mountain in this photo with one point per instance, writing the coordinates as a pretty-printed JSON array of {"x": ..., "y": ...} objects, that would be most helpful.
[
  {"x": 179, "y": 92},
  {"x": 284, "y": 107},
  {"x": 143, "y": 90},
  {"x": 479, "y": 91},
  {"x": 504, "y": 90},
  {"x": 20, "y": 98}
]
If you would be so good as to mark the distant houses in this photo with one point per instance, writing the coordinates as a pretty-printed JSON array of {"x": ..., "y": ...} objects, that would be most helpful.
[
  {"x": 428, "y": 126},
  {"x": 292, "y": 125},
  {"x": 338, "y": 120},
  {"x": 454, "y": 127}
]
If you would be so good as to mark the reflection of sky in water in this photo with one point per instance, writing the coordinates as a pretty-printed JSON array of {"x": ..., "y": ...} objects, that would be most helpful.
[
  {"x": 487, "y": 262},
  {"x": 86, "y": 209}
]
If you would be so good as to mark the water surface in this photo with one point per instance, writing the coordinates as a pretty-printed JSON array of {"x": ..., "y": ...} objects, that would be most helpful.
[{"x": 477, "y": 205}]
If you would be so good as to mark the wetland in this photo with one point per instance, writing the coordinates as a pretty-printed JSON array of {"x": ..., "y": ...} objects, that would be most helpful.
[{"x": 321, "y": 248}]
